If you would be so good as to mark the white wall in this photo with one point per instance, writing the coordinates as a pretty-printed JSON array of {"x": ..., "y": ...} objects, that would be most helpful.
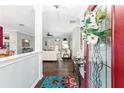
[
  {"x": 51, "y": 41},
  {"x": 16, "y": 40},
  {"x": 13, "y": 41},
  {"x": 24, "y": 70},
  {"x": 21, "y": 36},
  {"x": 20, "y": 71}
]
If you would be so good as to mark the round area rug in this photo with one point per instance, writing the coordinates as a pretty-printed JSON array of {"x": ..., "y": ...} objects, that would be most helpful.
[{"x": 59, "y": 82}]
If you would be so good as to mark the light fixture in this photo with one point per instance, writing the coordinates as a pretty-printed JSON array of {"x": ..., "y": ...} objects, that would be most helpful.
[
  {"x": 72, "y": 21},
  {"x": 21, "y": 24},
  {"x": 49, "y": 34},
  {"x": 56, "y": 6}
]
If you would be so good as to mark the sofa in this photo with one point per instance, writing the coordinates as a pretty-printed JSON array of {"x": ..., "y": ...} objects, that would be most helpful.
[{"x": 49, "y": 56}]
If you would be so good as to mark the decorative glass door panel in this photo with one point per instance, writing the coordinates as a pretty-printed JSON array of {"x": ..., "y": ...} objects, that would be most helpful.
[
  {"x": 96, "y": 30},
  {"x": 99, "y": 73}
]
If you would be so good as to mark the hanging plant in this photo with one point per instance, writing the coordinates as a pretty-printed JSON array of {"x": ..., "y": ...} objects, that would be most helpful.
[{"x": 91, "y": 30}]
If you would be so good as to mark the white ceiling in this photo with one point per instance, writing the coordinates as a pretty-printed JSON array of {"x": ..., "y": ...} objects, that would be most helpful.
[
  {"x": 57, "y": 21},
  {"x": 12, "y": 16}
]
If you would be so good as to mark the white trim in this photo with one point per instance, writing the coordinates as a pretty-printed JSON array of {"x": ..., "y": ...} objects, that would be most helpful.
[
  {"x": 35, "y": 82},
  {"x": 14, "y": 30},
  {"x": 27, "y": 33},
  {"x": 40, "y": 64},
  {"x": 9, "y": 60},
  {"x": 1, "y": 25}
]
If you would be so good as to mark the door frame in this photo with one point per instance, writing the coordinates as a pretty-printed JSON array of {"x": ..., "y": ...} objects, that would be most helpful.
[
  {"x": 113, "y": 47},
  {"x": 86, "y": 65}
]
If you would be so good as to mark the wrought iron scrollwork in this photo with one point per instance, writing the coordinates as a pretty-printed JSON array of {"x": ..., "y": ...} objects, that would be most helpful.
[{"x": 97, "y": 66}]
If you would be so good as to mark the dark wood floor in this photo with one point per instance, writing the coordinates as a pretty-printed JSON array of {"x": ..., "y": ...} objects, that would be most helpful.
[{"x": 61, "y": 68}]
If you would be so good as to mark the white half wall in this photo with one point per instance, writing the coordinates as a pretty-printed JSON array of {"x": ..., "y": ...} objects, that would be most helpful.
[{"x": 20, "y": 71}]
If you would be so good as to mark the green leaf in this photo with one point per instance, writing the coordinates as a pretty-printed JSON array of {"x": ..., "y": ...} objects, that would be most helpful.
[
  {"x": 104, "y": 34},
  {"x": 99, "y": 41},
  {"x": 88, "y": 21},
  {"x": 100, "y": 15},
  {"x": 81, "y": 28}
]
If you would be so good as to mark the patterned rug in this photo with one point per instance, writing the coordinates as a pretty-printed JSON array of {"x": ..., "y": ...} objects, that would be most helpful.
[{"x": 59, "y": 82}]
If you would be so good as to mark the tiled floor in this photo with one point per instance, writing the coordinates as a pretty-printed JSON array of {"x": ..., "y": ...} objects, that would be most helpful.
[{"x": 61, "y": 68}]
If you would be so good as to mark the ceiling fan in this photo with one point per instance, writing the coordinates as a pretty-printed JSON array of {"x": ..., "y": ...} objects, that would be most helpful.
[
  {"x": 49, "y": 34},
  {"x": 56, "y": 6}
]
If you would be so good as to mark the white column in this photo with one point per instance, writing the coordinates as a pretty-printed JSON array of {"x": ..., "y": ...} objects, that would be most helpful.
[
  {"x": 38, "y": 28},
  {"x": 38, "y": 36}
]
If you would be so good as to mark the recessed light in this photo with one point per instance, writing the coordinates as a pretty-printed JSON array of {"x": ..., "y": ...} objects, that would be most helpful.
[
  {"x": 21, "y": 24},
  {"x": 72, "y": 21},
  {"x": 56, "y": 6}
]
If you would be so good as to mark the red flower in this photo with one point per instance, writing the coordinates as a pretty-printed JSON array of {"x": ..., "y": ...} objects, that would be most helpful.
[
  {"x": 55, "y": 81},
  {"x": 63, "y": 84},
  {"x": 62, "y": 81}
]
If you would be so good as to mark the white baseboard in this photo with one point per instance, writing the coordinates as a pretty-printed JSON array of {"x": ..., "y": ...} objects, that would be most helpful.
[{"x": 34, "y": 84}]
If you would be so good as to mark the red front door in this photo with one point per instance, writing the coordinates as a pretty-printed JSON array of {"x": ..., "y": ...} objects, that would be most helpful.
[
  {"x": 1, "y": 37},
  {"x": 118, "y": 46},
  {"x": 86, "y": 65}
]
